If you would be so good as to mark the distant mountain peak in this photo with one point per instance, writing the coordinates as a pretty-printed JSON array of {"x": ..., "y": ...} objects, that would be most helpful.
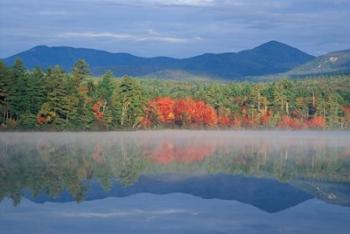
[
  {"x": 38, "y": 47},
  {"x": 275, "y": 45}
]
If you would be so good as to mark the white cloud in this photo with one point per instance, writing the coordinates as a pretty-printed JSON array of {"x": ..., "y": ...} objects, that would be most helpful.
[
  {"x": 183, "y": 2},
  {"x": 150, "y": 36},
  {"x": 53, "y": 13},
  {"x": 163, "y": 2},
  {"x": 126, "y": 213}
]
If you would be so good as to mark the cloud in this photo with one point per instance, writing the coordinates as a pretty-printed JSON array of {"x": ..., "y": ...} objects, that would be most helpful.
[
  {"x": 126, "y": 213},
  {"x": 180, "y": 28},
  {"x": 163, "y": 2},
  {"x": 53, "y": 13},
  {"x": 150, "y": 36}
]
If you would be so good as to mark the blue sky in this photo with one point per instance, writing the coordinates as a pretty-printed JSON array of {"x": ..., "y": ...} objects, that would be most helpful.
[{"x": 178, "y": 28}]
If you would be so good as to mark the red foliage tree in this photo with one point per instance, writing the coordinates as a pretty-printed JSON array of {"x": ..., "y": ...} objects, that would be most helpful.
[
  {"x": 163, "y": 108},
  {"x": 316, "y": 122},
  {"x": 237, "y": 122},
  {"x": 288, "y": 122},
  {"x": 204, "y": 114},
  {"x": 346, "y": 110},
  {"x": 41, "y": 119},
  {"x": 183, "y": 112},
  {"x": 265, "y": 118},
  {"x": 224, "y": 121},
  {"x": 96, "y": 108}
]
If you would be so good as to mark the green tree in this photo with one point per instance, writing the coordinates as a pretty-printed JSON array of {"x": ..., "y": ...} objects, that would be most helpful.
[
  {"x": 80, "y": 71},
  {"x": 128, "y": 103}
]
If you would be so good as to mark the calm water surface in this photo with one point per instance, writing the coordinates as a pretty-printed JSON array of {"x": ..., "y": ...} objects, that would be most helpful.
[{"x": 175, "y": 182}]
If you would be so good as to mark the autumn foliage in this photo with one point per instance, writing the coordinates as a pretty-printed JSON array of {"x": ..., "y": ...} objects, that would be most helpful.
[
  {"x": 163, "y": 109},
  {"x": 316, "y": 122},
  {"x": 295, "y": 123},
  {"x": 180, "y": 112},
  {"x": 188, "y": 112},
  {"x": 96, "y": 108},
  {"x": 224, "y": 121},
  {"x": 289, "y": 122}
]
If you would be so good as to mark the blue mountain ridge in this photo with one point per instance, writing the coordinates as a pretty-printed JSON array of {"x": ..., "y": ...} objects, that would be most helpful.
[{"x": 270, "y": 58}]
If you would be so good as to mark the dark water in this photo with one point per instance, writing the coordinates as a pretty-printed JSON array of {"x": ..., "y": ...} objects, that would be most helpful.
[{"x": 175, "y": 182}]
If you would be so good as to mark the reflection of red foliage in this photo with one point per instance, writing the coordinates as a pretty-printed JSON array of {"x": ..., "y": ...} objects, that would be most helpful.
[
  {"x": 96, "y": 108},
  {"x": 317, "y": 122},
  {"x": 97, "y": 155},
  {"x": 166, "y": 153}
]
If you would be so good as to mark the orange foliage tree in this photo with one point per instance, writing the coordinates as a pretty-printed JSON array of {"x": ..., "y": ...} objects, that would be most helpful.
[
  {"x": 316, "y": 122},
  {"x": 182, "y": 112},
  {"x": 224, "y": 121},
  {"x": 163, "y": 109},
  {"x": 288, "y": 122},
  {"x": 265, "y": 118},
  {"x": 346, "y": 110},
  {"x": 97, "y": 109}
]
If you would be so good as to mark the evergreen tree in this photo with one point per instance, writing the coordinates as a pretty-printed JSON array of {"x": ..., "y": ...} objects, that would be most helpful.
[
  {"x": 128, "y": 103},
  {"x": 80, "y": 71},
  {"x": 5, "y": 86}
]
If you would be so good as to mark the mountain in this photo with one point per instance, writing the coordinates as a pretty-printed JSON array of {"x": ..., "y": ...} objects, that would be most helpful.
[
  {"x": 335, "y": 62},
  {"x": 269, "y": 58}
]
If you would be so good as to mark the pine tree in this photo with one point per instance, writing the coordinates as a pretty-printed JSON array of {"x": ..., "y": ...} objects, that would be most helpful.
[
  {"x": 18, "y": 102},
  {"x": 80, "y": 71},
  {"x": 128, "y": 103}
]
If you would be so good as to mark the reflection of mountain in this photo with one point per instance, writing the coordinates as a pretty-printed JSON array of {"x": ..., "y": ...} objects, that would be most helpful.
[
  {"x": 335, "y": 193},
  {"x": 266, "y": 194}
]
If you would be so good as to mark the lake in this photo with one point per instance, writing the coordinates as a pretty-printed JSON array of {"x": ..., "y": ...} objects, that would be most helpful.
[{"x": 175, "y": 181}]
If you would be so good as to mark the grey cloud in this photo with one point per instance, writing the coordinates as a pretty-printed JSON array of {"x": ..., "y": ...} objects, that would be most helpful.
[{"x": 178, "y": 28}]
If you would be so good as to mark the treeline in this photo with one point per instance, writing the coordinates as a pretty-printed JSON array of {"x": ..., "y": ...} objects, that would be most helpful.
[{"x": 55, "y": 100}]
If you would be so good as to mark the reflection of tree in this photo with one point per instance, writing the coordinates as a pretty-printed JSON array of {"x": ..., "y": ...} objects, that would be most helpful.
[
  {"x": 127, "y": 162},
  {"x": 52, "y": 167},
  {"x": 190, "y": 152}
]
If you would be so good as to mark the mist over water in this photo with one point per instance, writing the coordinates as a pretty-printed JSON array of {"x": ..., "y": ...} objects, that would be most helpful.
[{"x": 217, "y": 137}]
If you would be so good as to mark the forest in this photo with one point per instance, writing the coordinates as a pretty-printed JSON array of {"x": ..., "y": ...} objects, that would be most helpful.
[{"x": 53, "y": 99}]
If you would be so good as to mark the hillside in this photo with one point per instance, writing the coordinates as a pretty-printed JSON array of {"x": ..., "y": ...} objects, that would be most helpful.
[
  {"x": 269, "y": 58},
  {"x": 335, "y": 62}
]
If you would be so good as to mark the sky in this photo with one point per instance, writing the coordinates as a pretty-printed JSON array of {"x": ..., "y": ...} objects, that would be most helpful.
[{"x": 176, "y": 28}]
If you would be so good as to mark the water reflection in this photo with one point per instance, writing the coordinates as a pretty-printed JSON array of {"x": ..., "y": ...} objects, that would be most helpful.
[{"x": 269, "y": 170}]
